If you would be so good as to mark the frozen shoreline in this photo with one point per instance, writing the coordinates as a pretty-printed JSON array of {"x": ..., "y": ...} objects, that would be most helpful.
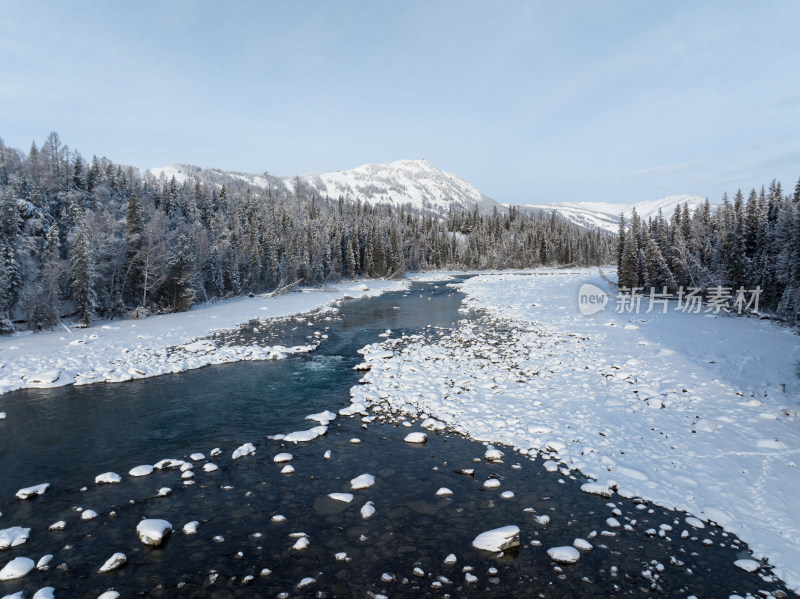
[
  {"x": 120, "y": 350},
  {"x": 691, "y": 411}
]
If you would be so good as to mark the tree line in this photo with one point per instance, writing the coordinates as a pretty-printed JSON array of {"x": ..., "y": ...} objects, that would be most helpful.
[
  {"x": 748, "y": 244},
  {"x": 90, "y": 238}
]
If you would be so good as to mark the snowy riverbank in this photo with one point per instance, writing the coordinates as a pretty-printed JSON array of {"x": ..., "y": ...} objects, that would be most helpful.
[
  {"x": 692, "y": 411},
  {"x": 120, "y": 350}
]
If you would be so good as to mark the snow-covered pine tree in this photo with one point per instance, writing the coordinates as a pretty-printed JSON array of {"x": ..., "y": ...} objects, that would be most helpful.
[{"x": 83, "y": 276}]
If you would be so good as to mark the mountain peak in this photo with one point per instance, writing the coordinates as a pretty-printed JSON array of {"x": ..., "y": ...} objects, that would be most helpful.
[{"x": 403, "y": 182}]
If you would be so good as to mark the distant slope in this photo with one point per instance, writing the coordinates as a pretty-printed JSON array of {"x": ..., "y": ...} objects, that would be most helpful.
[
  {"x": 414, "y": 182},
  {"x": 605, "y": 216}
]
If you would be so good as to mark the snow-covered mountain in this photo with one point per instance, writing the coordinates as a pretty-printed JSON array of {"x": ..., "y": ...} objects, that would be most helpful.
[
  {"x": 414, "y": 182},
  {"x": 605, "y": 216},
  {"x": 423, "y": 186}
]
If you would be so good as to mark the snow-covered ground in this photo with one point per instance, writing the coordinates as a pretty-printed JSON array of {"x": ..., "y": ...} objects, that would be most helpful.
[
  {"x": 120, "y": 350},
  {"x": 693, "y": 411}
]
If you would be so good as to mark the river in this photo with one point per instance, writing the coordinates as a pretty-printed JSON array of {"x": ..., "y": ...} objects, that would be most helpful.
[{"x": 66, "y": 436}]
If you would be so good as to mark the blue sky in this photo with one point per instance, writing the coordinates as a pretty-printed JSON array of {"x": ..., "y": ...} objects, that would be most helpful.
[{"x": 529, "y": 101}]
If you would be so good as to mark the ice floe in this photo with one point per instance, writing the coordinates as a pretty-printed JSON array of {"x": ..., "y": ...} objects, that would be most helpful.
[{"x": 363, "y": 481}]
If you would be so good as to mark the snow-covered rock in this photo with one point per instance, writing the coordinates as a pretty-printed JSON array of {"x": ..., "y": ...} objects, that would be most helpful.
[
  {"x": 246, "y": 449},
  {"x": 113, "y": 562},
  {"x": 498, "y": 539},
  {"x": 306, "y": 436},
  {"x": 29, "y": 492},
  {"x": 282, "y": 457},
  {"x": 44, "y": 562},
  {"x": 564, "y": 555},
  {"x": 322, "y": 417},
  {"x": 142, "y": 470},
  {"x": 16, "y": 568},
  {"x": 190, "y": 528},
  {"x": 416, "y": 437},
  {"x": 108, "y": 478},
  {"x": 14, "y": 536},
  {"x": 748, "y": 565},
  {"x": 597, "y": 489},
  {"x": 493, "y": 455},
  {"x": 153, "y": 531}
]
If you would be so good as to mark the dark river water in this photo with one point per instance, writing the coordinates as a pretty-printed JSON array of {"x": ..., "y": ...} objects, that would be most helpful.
[{"x": 67, "y": 436}]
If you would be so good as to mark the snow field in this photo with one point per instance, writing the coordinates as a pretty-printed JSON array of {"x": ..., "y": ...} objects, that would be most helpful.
[{"x": 694, "y": 412}]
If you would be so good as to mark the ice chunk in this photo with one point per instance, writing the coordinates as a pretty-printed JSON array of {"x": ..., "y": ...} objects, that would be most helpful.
[
  {"x": 45, "y": 593},
  {"x": 287, "y": 469},
  {"x": 282, "y": 457},
  {"x": 168, "y": 463},
  {"x": 153, "y": 531},
  {"x": 246, "y": 449},
  {"x": 108, "y": 478},
  {"x": 416, "y": 438},
  {"x": 196, "y": 457},
  {"x": 88, "y": 515},
  {"x": 16, "y": 568},
  {"x": 210, "y": 467},
  {"x": 362, "y": 482},
  {"x": 113, "y": 562},
  {"x": 444, "y": 492},
  {"x": 345, "y": 497},
  {"x": 564, "y": 555},
  {"x": 497, "y": 539},
  {"x": 368, "y": 510},
  {"x": 33, "y": 491},
  {"x": 109, "y": 595}
]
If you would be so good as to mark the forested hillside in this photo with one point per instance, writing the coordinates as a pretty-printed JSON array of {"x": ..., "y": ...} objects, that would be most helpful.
[
  {"x": 745, "y": 244},
  {"x": 90, "y": 238}
]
